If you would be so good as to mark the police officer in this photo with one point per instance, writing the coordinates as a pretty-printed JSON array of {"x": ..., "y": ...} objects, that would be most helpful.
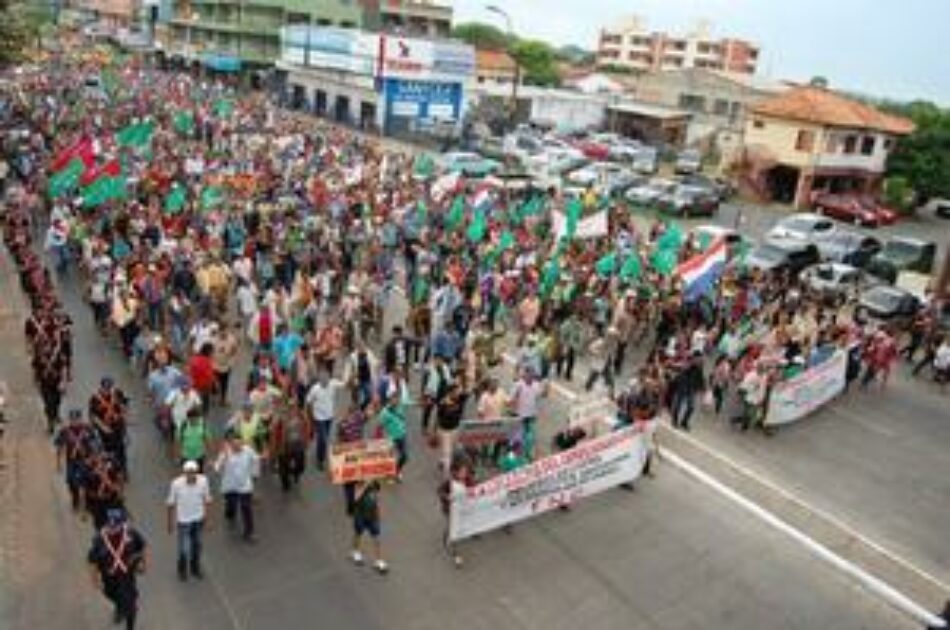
[
  {"x": 103, "y": 488},
  {"x": 107, "y": 410},
  {"x": 76, "y": 443},
  {"x": 116, "y": 556}
]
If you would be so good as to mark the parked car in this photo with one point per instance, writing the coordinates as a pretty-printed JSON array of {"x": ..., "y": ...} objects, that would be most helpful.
[
  {"x": 592, "y": 150},
  {"x": 831, "y": 281},
  {"x": 888, "y": 304},
  {"x": 939, "y": 207},
  {"x": 780, "y": 254},
  {"x": 722, "y": 188},
  {"x": 468, "y": 164},
  {"x": 851, "y": 248},
  {"x": 649, "y": 192},
  {"x": 902, "y": 254},
  {"x": 689, "y": 201},
  {"x": 645, "y": 160},
  {"x": 804, "y": 226},
  {"x": 853, "y": 209},
  {"x": 688, "y": 161}
]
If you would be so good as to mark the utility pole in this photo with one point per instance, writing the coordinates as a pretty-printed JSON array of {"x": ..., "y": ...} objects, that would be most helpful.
[{"x": 513, "y": 113}]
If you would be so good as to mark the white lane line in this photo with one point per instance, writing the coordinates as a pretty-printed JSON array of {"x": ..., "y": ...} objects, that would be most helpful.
[
  {"x": 875, "y": 585},
  {"x": 872, "y": 583}
]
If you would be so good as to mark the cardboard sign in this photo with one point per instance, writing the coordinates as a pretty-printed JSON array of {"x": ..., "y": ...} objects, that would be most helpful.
[{"x": 362, "y": 461}]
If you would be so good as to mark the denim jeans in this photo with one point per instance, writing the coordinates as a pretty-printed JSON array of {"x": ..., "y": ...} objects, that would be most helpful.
[
  {"x": 321, "y": 434},
  {"x": 189, "y": 544},
  {"x": 242, "y": 500}
]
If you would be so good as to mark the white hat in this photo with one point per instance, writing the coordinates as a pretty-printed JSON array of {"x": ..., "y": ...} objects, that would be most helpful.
[{"x": 191, "y": 466}]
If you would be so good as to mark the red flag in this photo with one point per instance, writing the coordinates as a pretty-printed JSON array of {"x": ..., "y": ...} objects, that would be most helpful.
[
  {"x": 82, "y": 149},
  {"x": 112, "y": 168}
]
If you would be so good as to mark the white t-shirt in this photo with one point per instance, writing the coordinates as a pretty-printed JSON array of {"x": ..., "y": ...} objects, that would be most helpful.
[
  {"x": 525, "y": 397},
  {"x": 189, "y": 499},
  {"x": 320, "y": 398},
  {"x": 181, "y": 403}
]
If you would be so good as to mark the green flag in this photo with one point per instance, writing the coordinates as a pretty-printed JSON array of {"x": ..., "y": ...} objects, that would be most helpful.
[
  {"x": 184, "y": 123},
  {"x": 664, "y": 261},
  {"x": 552, "y": 271},
  {"x": 630, "y": 272},
  {"x": 506, "y": 241},
  {"x": 478, "y": 227},
  {"x": 456, "y": 214},
  {"x": 223, "y": 108},
  {"x": 102, "y": 190},
  {"x": 176, "y": 198},
  {"x": 671, "y": 239},
  {"x": 211, "y": 196},
  {"x": 424, "y": 166},
  {"x": 66, "y": 180},
  {"x": 574, "y": 209},
  {"x": 606, "y": 265},
  {"x": 135, "y": 135}
]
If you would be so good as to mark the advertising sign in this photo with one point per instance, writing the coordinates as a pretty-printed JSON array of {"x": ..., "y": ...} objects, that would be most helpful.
[
  {"x": 800, "y": 395},
  {"x": 362, "y": 461},
  {"x": 423, "y": 99},
  {"x": 587, "y": 469}
]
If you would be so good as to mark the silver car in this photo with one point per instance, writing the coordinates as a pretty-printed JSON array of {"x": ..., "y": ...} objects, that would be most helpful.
[{"x": 832, "y": 282}]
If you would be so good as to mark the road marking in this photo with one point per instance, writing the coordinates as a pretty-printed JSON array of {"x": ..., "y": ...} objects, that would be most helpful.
[{"x": 869, "y": 581}]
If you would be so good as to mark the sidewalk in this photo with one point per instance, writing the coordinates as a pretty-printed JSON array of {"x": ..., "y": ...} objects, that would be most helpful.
[{"x": 43, "y": 579}]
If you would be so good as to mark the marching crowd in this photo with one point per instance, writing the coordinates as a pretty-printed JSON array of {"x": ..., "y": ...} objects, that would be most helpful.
[{"x": 204, "y": 224}]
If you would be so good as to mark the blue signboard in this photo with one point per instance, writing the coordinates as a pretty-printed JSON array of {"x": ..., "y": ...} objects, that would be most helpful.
[{"x": 423, "y": 99}]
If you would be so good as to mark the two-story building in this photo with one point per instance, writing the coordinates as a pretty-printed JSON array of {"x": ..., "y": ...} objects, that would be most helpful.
[{"x": 813, "y": 139}]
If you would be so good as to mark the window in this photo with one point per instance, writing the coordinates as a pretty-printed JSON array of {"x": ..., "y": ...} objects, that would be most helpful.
[
  {"x": 805, "y": 140},
  {"x": 758, "y": 124},
  {"x": 692, "y": 103},
  {"x": 721, "y": 107},
  {"x": 867, "y": 145},
  {"x": 850, "y": 144},
  {"x": 889, "y": 144}
]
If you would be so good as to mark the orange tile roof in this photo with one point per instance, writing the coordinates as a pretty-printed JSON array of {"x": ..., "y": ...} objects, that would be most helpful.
[
  {"x": 822, "y": 106},
  {"x": 495, "y": 60}
]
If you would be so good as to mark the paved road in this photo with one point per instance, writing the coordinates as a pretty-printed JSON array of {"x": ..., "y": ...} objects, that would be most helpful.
[{"x": 671, "y": 555}]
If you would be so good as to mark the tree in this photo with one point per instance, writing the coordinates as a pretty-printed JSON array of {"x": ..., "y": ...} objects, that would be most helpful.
[
  {"x": 538, "y": 62},
  {"x": 481, "y": 35},
  {"x": 819, "y": 82},
  {"x": 15, "y": 34},
  {"x": 923, "y": 157}
]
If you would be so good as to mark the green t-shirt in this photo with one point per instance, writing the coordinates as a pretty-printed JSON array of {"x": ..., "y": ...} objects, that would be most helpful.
[{"x": 192, "y": 438}]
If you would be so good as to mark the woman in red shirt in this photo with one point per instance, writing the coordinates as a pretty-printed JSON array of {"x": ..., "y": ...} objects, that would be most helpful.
[{"x": 201, "y": 371}]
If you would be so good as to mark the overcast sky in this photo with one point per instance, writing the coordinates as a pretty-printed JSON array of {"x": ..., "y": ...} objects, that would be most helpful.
[{"x": 899, "y": 49}]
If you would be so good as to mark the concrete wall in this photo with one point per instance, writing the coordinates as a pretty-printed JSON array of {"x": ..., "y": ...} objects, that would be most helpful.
[{"x": 778, "y": 138}]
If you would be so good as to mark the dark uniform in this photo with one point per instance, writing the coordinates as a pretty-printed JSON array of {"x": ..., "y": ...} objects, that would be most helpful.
[
  {"x": 103, "y": 488},
  {"x": 107, "y": 410},
  {"x": 76, "y": 442},
  {"x": 117, "y": 553}
]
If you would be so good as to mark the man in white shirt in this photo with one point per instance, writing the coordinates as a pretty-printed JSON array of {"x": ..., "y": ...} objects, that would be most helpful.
[
  {"x": 525, "y": 397},
  {"x": 239, "y": 465},
  {"x": 188, "y": 499},
  {"x": 320, "y": 401},
  {"x": 180, "y": 402}
]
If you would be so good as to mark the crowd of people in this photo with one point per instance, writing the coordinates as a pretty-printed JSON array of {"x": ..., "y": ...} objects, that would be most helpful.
[{"x": 203, "y": 223}]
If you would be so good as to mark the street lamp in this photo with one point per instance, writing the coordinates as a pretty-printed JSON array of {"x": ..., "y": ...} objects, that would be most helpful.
[{"x": 514, "y": 84}]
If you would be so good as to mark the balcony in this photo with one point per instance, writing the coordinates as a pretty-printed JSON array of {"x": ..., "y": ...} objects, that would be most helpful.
[{"x": 856, "y": 161}]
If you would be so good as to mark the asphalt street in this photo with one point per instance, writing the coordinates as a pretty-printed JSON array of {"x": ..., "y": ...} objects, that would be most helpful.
[{"x": 670, "y": 555}]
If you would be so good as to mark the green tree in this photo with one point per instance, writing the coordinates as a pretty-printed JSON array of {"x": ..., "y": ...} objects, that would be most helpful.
[
  {"x": 922, "y": 158},
  {"x": 16, "y": 32},
  {"x": 538, "y": 61},
  {"x": 481, "y": 35}
]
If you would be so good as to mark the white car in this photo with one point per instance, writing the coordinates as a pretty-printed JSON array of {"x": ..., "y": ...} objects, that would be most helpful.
[
  {"x": 804, "y": 226},
  {"x": 832, "y": 281},
  {"x": 650, "y": 192}
]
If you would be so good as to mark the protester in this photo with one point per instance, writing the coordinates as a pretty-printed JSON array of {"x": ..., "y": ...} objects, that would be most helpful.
[{"x": 189, "y": 497}]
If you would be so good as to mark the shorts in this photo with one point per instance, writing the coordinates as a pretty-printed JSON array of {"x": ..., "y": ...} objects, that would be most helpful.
[{"x": 366, "y": 525}]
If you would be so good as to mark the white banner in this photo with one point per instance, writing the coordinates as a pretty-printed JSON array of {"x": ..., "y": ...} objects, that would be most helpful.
[
  {"x": 799, "y": 396},
  {"x": 560, "y": 479},
  {"x": 591, "y": 227}
]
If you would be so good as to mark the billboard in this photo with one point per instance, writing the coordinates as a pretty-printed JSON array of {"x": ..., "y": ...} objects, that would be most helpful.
[{"x": 423, "y": 99}]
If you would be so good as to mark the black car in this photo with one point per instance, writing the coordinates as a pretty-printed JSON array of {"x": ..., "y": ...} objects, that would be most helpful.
[
  {"x": 721, "y": 188},
  {"x": 783, "y": 254},
  {"x": 850, "y": 248},
  {"x": 889, "y": 304},
  {"x": 902, "y": 254}
]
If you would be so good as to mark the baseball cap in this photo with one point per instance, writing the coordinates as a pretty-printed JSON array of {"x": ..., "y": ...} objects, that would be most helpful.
[
  {"x": 115, "y": 516},
  {"x": 190, "y": 466}
]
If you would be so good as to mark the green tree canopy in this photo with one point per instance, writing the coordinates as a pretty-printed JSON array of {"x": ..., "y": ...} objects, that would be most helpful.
[
  {"x": 922, "y": 159},
  {"x": 539, "y": 62},
  {"x": 481, "y": 35}
]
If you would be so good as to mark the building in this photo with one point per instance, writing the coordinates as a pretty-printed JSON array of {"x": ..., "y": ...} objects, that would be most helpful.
[
  {"x": 655, "y": 125},
  {"x": 411, "y": 18},
  {"x": 397, "y": 84},
  {"x": 115, "y": 13},
  {"x": 596, "y": 82},
  {"x": 495, "y": 67},
  {"x": 631, "y": 45},
  {"x": 232, "y": 34},
  {"x": 562, "y": 110},
  {"x": 811, "y": 138},
  {"x": 718, "y": 102}
]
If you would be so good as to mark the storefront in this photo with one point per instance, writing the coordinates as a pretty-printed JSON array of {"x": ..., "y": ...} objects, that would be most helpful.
[{"x": 397, "y": 85}]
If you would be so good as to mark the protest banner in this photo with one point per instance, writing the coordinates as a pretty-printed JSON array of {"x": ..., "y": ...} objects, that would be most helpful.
[
  {"x": 802, "y": 394},
  {"x": 477, "y": 433},
  {"x": 592, "y": 415},
  {"x": 585, "y": 470},
  {"x": 594, "y": 226},
  {"x": 362, "y": 461}
]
